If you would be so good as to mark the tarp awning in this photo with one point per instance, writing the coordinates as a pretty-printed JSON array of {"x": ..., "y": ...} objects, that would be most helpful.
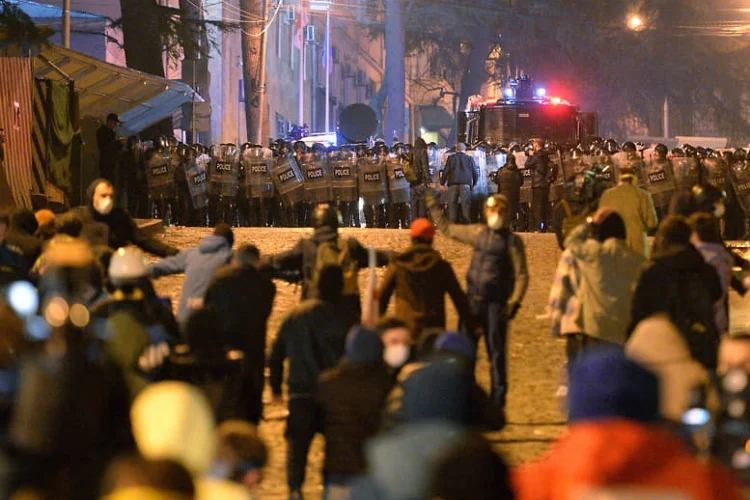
[
  {"x": 435, "y": 117},
  {"x": 139, "y": 98}
]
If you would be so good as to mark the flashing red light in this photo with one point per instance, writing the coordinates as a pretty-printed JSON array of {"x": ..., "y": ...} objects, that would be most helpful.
[{"x": 555, "y": 100}]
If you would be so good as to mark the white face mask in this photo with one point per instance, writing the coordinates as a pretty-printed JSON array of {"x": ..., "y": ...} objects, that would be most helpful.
[
  {"x": 494, "y": 221},
  {"x": 104, "y": 206},
  {"x": 719, "y": 210},
  {"x": 396, "y": 355}
]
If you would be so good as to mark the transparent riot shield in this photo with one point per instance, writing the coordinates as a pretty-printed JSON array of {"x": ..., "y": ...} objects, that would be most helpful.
[
  {"x": 372, "y": 181},
  {"x": 224, "y": 172},
  {"x": 557, "y": 171},
  {"x": 398, "y": 186},
  {"x": 686, "y": 172},
  {"x": 197, "y": 181},
  {"x": 528, "y": 175},
  {"x": 159, "y": 174},
  {"x": 288, "y": 180},
  {"x": 716, "y": 172},
  {"x": 258, "y": 162},
  {"x": 343, "y": 169},
  {"x": 494, "y": 163},
  {"x": 658, "y": 178},
  {"x": 317, "y": 179},
  {"x": 480, "y": 160},
  {"x": 740, "y": 178}
]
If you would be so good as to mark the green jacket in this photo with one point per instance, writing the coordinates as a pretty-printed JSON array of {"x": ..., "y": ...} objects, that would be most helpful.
[
  {"x": 609, "y": 271},
  {"x": 636, "y": 208}
]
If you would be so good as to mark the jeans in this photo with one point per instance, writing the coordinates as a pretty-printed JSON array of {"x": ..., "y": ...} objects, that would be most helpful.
[
  {"x": 301, "y": 426},
  {"x": 459, "y": 193},
  {"x": 492, "y": 318},
  {"x": 418, "y": 204},
  {"x": 539, "y": 208}
]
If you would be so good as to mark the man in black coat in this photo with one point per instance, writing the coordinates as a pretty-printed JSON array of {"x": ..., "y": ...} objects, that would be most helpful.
[
  {"x": 351, "y": 399},
  {"x": 105, "y": 224},
  {"x": 509, "y": 181},
  {"x": 109, "y": 147},
  {"x": 420, "y": 163},
  {"x": 312, "y": 337},
  {"x": 461, "y": 175},
  {"x": 539, "y": 165},
  {"x": 243, "y": 298}
]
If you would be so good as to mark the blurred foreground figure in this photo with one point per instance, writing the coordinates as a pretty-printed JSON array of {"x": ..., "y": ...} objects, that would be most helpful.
[
  {"x": 105, "y": 224},
  {"x": 13, "y": 266},
  {"x": 136, "y": 478},
  {"x": 241, "y": 455},
  {"x": 615, "y": 444}
]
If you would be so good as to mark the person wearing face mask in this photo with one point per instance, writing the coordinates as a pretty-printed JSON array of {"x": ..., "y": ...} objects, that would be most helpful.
[
  {"x": 497, "y": 281},
  {"x": 398, "y": 342},
  {"x": 105, "y": 224}
]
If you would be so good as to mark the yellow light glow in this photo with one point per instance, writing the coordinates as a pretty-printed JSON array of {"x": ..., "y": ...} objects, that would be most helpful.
[{"x": 635, "y": 22}]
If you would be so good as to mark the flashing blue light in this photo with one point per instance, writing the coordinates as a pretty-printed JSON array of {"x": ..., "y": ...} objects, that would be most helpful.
[
  {"x": 541, "y": 92},
  {"x": 508, "y": 93}
]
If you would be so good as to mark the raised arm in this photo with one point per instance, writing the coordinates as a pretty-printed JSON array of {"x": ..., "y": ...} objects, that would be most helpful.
[{"x": 464, "y": 233}]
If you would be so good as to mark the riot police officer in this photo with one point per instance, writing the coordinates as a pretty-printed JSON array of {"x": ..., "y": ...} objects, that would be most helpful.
[
  {"x": 223, "y": 184},
  {"x": 343, "y": 166},
  {"x": 372, "y": 185},
  {"x": 398, "y": 188},
  {"x": 287, "y": 177}
]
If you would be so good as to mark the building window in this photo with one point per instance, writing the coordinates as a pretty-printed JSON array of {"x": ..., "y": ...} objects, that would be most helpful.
[{"x": 282, "y": 126}]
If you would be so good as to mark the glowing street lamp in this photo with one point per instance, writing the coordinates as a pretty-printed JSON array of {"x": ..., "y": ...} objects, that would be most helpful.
[{"x": 635, "y": 23}]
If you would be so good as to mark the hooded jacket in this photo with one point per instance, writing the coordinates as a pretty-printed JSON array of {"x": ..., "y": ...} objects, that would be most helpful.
[
  {"x": 420, "y": 163},
  {"x": 636, "y": 208},
  {"x": 116, "y": 229},
  {"x": 657, "y": 345},
  {"x": 680, "y": 283},
  {"x": 173, "y": 420},
  {"x": 539, "y": 165},
  {"x": 420, "y": 278},
  {"x": 351, "y": 399},
  {"x": 608, "y": 271},
  {"x": 199, "y": 265},
  {"x": 623, "y": 456}
]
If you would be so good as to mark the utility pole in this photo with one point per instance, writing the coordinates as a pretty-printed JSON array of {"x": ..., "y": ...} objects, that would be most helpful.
[{"x": 66, "y": 24}]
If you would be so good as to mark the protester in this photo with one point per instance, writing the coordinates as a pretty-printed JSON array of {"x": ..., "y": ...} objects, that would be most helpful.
[
  {"x": 539, "y": 165},
  {"x": 109, "y": 147},
  {"x": 199, "y": 265},
  {"x": 13, "y": 266},
  {"x": 105, "y": 224},
  {"x": 173, "y": 421},
  {"x": 564, "y": 306},
  {"x": 706, "y": 238},
  {"x": 420, "y": 278},
  {"x": 614, "y": 443},
  {"x": 68, "y": 227},
  {"x": 326, "y": 247},
  {"x": 636, "y": 208},
  {"x": 509, "y": 181},
  {"x": 497, "y": 281},
  {"x": 679, "y": 282},
  {"x": 312, "y": 337},
  {"x": 243, "y": 297},
  {"x": 351, "y": 398},
  {"x": 398, "y": 342},
  {"x": 657, "y": 344},
  {"x": 420, "y": 164},
  {"x": 608, "y": 269},
  {"x": 133, "y": 477},
  {"x": 461, "y": 174},
  {"x": 45, "y": 221},
  {"x": 241, "y": 455},
  {"x": 22, "y": 234}
]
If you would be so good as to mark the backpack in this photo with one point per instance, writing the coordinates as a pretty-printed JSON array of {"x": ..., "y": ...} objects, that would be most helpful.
[
  {"x": 337, "y": 253},
  {"x": 410, "y": 170},
  {"x": 571, "y": 220}
]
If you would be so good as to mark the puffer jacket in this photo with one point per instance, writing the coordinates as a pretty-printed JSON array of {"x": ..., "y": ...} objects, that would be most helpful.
[{"x": 420, "y": 278}]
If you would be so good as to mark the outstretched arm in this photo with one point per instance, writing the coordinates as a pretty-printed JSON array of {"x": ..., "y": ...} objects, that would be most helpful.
[
  {"x": 171, "y": 265},
  {"x": 465, "y": 234},
  {"x": 148, "y": 244}
]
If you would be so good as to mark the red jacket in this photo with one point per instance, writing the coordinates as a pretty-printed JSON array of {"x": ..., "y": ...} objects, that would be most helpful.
[{"x": 621, "y": 455}]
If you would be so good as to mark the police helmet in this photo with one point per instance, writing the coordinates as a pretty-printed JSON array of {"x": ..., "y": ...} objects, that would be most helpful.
[
  {"x": 678, "y": 153},
  {"x": 661, "y": 150},
  {"x": 326, "y": 215},
  {"x": 740, "y": 155},
  {"x": 689, "y": 150},
  {"x": 629, "y": 147},
  {"x": 706, "y": 196},
  {"x": 577, "y": 153},
  {"x": 300, "y": 147},
  {"x": 514, "y": 147},
  {"x": 701, "y": 152},
  {"x": 611, "y": 147}
]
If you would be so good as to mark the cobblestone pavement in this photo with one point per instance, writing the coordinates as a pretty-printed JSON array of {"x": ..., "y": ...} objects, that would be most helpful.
[{"x": 536, "y": 360}]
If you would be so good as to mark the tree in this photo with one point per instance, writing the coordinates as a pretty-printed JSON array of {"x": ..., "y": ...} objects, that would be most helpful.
[{"x": 17, "y": 28}]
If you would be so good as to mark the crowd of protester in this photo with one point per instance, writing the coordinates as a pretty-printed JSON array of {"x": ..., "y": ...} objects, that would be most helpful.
[{"x": 106, "y": 393}]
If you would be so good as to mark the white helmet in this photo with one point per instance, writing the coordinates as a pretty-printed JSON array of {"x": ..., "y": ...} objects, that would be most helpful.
[{"x": 127, "y": 264}]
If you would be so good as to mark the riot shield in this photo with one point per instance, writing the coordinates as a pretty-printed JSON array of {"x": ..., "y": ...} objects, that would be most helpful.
[
  {"x": 686, "y": 172},
  {"x": 372, "y": 177},
  {"x": 557, "y": 169},
  {"x": 159, "y": 173},
  {"x": 622, "y": 160},
  {"x": 287, "y": 178},
  {"x": 494, "y": 163},
  {"x": 480, "y": 160},
  {"x": 344, "y": 177},
  {"x": 398, "y": 186},
  {"x": 224, "y": 172},
  {"x": 658, "y": 178},
  {"x": 740, "y": 178},
  {"x": 528, "y": 175},
  {"x": 317, "y": 179},
  {"x": 258, "y": 162},
  {"x": 716, "y": 172},
  {"x": 197, "y": 183}
]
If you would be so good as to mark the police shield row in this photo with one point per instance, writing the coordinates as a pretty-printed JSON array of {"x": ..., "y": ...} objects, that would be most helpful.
[{"x": 279, "y": 186}]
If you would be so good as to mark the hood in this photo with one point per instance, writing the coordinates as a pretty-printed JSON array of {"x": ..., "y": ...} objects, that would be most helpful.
[
  {"x": 91, "y": 189},
  {"x": 212, "y": 244},
  {"x": 439, "y": 390},
  {"x": 399, "y": 461},
  {"x": 418, "y": 258},
  {"x": 420, "y": 143},
  {"x": 612, "y": 452},
  {"x": 657, "y": 344},
  {"x": 173, "y": 420},
  {"x": 363, "y": 346},
  {"x": 324, "y": 234},
  {"x": 24, "y": 221},
  {"x": 679, "y": 257}
]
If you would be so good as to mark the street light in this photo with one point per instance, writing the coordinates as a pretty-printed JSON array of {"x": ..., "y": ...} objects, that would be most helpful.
[{"x": 635, "y": 23}]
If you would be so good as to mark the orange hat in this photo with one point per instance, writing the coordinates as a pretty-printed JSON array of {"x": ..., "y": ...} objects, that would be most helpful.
[{"x": 423, "y": 229}]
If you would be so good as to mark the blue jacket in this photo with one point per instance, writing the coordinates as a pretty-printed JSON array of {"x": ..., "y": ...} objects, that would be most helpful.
[
  {"x": 460, "y": 169},
  {"x": 199, "y": 265}
]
